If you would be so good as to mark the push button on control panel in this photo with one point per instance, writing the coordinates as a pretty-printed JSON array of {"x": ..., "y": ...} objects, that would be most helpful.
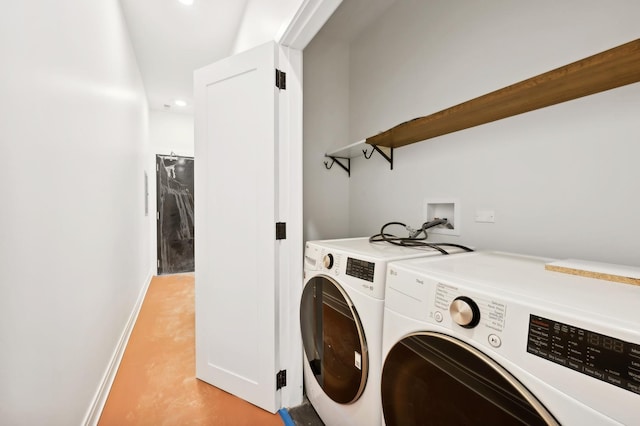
[{"x": 494, "y": 340}]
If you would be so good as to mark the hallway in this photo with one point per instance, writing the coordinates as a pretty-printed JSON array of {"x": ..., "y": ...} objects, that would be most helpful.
[{"x": 156, "y": 384}]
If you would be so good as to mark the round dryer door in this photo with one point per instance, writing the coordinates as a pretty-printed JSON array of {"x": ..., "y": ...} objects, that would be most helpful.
[
  {"x": 431, "y": 378},
  {"x": 333, "y": 339}
]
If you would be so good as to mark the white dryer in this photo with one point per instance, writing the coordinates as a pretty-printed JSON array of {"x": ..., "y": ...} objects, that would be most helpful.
[
  {"x": 494, "y": 338},
  {"x": 341, "y": 323}
]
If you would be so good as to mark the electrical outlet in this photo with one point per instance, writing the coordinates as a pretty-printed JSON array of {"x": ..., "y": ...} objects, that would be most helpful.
[
  {"x": 443, "y": 208},
  {"x": 485, "y": 216}
]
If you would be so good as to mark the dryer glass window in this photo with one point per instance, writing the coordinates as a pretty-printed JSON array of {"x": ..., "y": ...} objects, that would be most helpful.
[
  {"x": 333, "y": 339},
  {"x": 436, "y": 377}
]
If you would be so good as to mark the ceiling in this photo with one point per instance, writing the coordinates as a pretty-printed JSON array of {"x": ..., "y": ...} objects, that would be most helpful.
[{"x": 171, "y": 39}]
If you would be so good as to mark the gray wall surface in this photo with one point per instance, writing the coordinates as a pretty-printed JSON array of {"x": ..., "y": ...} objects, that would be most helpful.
[{"x": 562, "y": 181}]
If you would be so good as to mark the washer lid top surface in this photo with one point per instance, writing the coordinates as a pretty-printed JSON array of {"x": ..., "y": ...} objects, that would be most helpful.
[
  {"x": 526, "y": 277},
  {"x": 360, "y": 264},
  {"x": 377, "y": 250}
]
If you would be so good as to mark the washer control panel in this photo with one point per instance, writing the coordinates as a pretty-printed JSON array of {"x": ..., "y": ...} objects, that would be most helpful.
[
  {"x": 480, "y": 310},
  {"x": 603, "y": 357},
  {"x": 483, "y": 316}
]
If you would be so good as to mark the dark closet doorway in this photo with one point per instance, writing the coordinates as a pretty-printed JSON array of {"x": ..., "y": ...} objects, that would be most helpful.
[{"x": 174, "y": 177}]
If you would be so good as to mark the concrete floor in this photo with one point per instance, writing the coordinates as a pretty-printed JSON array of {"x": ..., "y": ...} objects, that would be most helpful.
[
  {"x": 305, "y": 415},
  {"x": 156, "y": 384}
]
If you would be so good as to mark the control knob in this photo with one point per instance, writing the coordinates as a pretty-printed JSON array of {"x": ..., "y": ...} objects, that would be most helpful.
[
  {"x": 328, "y": 261},
  {"x": 465, "y": 312}
]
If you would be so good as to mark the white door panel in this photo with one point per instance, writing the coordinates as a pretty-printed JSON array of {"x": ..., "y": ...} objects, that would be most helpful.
[{"x": 235, "y": 254}]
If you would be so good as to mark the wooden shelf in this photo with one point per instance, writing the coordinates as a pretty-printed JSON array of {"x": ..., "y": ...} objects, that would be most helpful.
[{"x": 604, "y": 71}]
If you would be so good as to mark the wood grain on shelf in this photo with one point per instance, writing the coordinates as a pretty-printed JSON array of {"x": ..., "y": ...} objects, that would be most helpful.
[
  {"x": 602, "y": 271},
  {"x": 604, "y": 71}
]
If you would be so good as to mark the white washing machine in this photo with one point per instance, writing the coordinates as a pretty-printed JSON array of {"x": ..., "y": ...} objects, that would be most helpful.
[
  {"x": 341, "y": 323},
  {"x": 494, "y": 338}
]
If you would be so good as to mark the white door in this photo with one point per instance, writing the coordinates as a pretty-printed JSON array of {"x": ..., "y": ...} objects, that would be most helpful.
[{"x": 236, "y": 130}]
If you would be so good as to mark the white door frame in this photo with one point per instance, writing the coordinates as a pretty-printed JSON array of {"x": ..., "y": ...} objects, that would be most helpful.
[
  {"x": 309, "y": 19},
  {"x": 306, "y": 23}
]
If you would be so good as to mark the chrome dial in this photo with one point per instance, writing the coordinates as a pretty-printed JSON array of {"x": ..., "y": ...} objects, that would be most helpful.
[
  {"x": 464, "y": 312},
  {"x": 327, "y": 261}
]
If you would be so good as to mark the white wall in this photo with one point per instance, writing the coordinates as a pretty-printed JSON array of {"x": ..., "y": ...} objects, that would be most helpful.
[
  {"x": 562, "y": 180},
  {"x": 168, "y": 133},
  {"x": 74, "y": 238},
  {"x": 326, "y": 126}
]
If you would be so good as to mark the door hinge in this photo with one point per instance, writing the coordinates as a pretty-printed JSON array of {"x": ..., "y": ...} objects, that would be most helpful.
[
  {"x": 158, "y": 263},
  {"x": 157, "y": 215},
  {"x": 281, "y": 379},
  {"x": 281, "y": 230},
  {"x": 281, "y": 80}
]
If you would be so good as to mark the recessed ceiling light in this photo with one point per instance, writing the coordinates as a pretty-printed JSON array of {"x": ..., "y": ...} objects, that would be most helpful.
[
  {"x": 180, "y": 103},
  {"x": 187, "y": 2}
]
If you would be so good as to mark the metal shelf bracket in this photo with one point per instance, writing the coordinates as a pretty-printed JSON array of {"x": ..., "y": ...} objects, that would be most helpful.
[
  {"x": 388, "y": 155},
  {"x": 336, "y": 160}
]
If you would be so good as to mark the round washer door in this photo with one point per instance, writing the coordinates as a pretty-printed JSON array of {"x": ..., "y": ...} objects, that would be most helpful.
[
  {"x": 333, "y": 340},
  {"x": 435, "y": 379}
]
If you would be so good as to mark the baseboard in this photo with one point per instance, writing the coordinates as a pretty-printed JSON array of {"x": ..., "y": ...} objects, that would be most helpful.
[{"x": 100, "y": 398}]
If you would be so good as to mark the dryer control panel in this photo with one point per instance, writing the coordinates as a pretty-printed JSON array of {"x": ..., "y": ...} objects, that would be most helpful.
[
  {"x": 363, "y": 274},
  {"x": 360, "y": 269},
  {"x": 604, "y": 357}
]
